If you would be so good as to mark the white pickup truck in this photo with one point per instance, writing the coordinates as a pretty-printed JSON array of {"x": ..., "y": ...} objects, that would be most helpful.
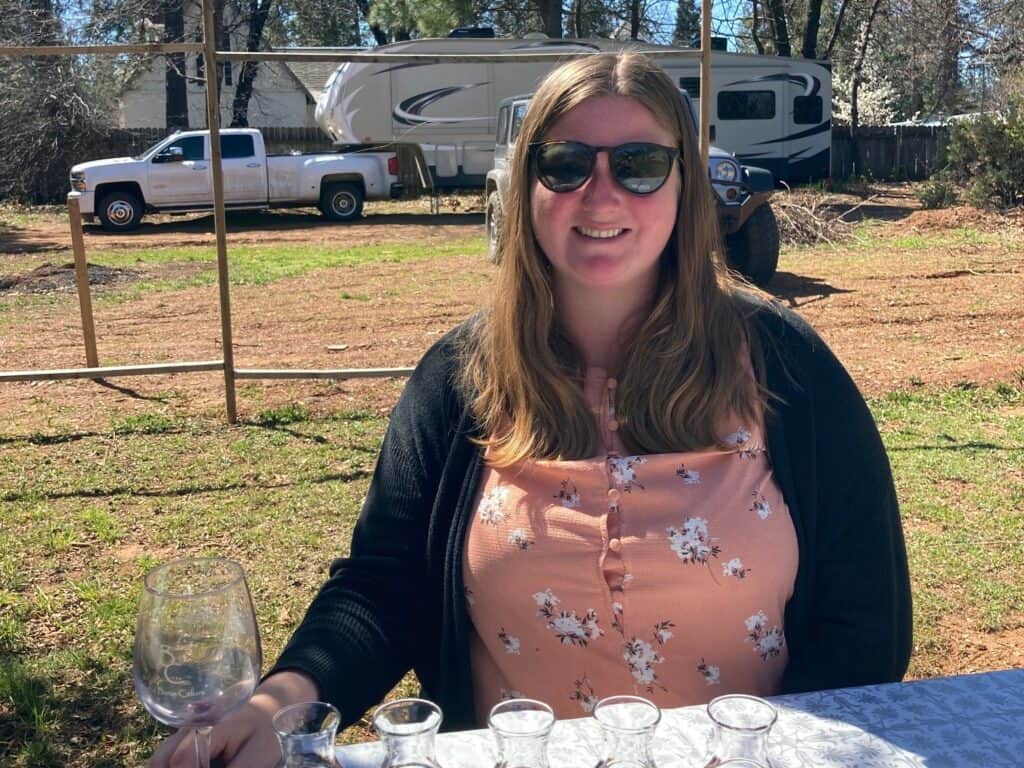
[{"x": 174, "y": 176}]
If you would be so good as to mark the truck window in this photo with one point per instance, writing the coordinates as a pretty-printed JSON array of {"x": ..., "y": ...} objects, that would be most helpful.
[
  {"x": 192, "y": 146},
  {"x": 518, "y": 113},
  {"x": 691, "y": 85},
  {"x": 502, "y": 125},
  {"x": 236, "y": 146},
  {"x": 746, "y": 105},
  {"x": 807, "y": 110}
]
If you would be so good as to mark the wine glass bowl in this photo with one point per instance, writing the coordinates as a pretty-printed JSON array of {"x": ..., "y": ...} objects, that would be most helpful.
[{"x": 197, "y": 650}]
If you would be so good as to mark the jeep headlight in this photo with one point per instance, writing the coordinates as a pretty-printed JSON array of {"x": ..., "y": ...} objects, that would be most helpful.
[
  {"x": 78, "y": 181},
  {"x": 725, "y": 170}
]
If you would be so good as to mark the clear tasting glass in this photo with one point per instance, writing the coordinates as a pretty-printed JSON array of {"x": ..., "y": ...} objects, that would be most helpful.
[
  {"x": 627, "y": 731},
  {"x": 306, "y": 732},
  {"x": 740, "y": 728},
  {"x": 407, "y": 728},
  {"x": 521, "y": 728}
]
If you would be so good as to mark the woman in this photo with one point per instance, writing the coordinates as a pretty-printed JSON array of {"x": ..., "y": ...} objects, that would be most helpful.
[{"x": 574, "y": 496}]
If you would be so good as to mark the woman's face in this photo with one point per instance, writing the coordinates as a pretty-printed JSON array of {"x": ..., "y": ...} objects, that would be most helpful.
[{"x": 601, "y": 236}]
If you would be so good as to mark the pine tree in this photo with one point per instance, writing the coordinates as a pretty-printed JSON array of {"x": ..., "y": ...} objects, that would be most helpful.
[{"x": 687, "y": 29}]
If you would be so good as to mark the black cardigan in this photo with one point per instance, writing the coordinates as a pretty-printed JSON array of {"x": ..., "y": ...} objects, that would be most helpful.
[{"x": 397, "y": 601}]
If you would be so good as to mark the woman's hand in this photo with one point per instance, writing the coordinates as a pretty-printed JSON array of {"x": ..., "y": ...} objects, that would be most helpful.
[{"x": 247, "y": 738}]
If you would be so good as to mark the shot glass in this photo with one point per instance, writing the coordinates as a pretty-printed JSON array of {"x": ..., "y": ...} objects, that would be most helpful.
[
  {"x": 521, "y": 728},
  {"x": 740, "y": 728}
]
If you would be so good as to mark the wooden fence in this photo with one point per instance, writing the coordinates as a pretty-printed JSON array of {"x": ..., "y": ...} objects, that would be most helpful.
[{"x": 889, "y": 152}]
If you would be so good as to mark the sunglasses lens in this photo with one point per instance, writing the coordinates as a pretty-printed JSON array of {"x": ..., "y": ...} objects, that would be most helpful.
[
  {"x": 564, "y": 166},
  {"x": 641, "y": 168}
]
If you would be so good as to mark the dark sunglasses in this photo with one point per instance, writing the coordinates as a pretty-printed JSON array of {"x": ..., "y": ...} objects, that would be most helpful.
[{"x": 640, "y": 167}]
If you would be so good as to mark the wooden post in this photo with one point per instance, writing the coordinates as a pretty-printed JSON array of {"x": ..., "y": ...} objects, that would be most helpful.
[
  {"x": 705, "y": 81},
  {"x": 219, "y": 220},
  {"x": 82, "y": 281}
]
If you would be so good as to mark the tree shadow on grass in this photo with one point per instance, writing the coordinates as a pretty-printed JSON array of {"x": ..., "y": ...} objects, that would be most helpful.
[
  {"x": 798, "y": 290},
  {"x": 54, "y": 722}
]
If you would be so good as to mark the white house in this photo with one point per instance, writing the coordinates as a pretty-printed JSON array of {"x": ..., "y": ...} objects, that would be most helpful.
[{"x": 284, "y": 93}]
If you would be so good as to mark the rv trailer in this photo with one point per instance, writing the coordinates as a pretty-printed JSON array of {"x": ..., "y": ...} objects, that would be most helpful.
[{"x": 771, "y": 112}]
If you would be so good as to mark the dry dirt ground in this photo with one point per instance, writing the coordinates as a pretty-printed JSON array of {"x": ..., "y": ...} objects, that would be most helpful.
[{"x": 898, "y": 319}]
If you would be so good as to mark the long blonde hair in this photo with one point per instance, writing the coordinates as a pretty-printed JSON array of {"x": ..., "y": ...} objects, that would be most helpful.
[{"x": 684, "y": 369}]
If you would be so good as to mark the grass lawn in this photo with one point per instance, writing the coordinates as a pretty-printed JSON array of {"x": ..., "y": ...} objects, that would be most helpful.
[{"x": 85, "y": 511}]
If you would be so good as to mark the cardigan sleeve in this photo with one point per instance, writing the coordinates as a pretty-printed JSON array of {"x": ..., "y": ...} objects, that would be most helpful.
[
  {"x": 368, "y": 624},
  {"x": 858, "y": 611}
]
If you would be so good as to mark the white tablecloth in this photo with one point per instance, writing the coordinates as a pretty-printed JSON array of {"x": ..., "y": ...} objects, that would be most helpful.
[{"x": 970, "y": 721}]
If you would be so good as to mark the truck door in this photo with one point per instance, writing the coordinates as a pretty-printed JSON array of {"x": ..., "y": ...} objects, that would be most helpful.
[
  {"x": 181, "y": 181},
  {"x": 245, "y": 173},
  {"x": 749, "y": 121}
]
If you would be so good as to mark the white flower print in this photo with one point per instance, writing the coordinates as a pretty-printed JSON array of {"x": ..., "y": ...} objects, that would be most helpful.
[
  {"x": 519, "y": 539},
  {"x": 737, "y": 438},
  {"x": 569, "y": 628},
  {"x": 546, "y": 600},
  {"x": 735, "y": 568},
  {"x": 585, "y": 694},
  {"x": 510, "y": 693},
  {"x": 641, "y": 657},
  {"x": 569, "y": 498},
  {"x": 689, "y": 476},
  {"x": 767, "y": 641},
  {"x": 623, "y": 473},
  {"x": 491, "y": 505},
  {"x": 626, "y": 578},
  {"x": 761, "y": 506},
  {"x": 692, "y": 542},
  {"x": 511, "y": 642},
  {"x": 617, "y": 617},
  {"x": 712, "y": 674}
]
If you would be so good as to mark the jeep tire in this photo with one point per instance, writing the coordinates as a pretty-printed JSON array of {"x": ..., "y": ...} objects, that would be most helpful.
[
  {"x": 341, "y": 202},
  {"x": 120, "y": 211},
  {"x": 753, "y": 250},
  {"x": 492, "y": 226}
]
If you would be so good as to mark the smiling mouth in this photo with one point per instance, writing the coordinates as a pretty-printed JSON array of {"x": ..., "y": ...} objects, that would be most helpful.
[{"x": 599, "y": 234}]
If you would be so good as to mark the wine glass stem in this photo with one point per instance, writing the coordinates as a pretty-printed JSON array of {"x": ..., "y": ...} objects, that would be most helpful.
[{"x": 202, "y": 742}]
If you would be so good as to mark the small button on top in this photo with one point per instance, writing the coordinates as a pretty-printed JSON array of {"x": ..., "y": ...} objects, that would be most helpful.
[
  {"x": 612, "y": 383},
  {"x": 613, "y": 494},
  {"x": 615, "y": 545},
  {"x": 613, "y": 425}
]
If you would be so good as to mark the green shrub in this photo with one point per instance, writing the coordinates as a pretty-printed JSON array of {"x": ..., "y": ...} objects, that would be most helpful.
[
  {"x": 987, "y": 155},
  {"x": 936, "y": 193}
]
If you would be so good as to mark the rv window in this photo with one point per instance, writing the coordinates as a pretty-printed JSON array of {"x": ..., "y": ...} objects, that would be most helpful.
[
  {"x": 746, "y": 105},
  {"x": 691, "y": 85},
  {"x": 518, "y": 113},
  {"x": 236, "y": 146},
  {"x": 503, "y": 125},
  {"x": 807, "y": 110}
]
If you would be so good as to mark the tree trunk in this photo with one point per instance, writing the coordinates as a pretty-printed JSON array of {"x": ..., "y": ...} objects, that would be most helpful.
[
  {"x": 551, "y": 14},
  {"x": 810, "y": 47},
  {"x": 836, "y": 29},
  {"x": 777, "y": 10},
  {"x": 258, "y": 12},
  {"x": 858, "y": 71},
  {"x": 755, "y": 21},
  {"x": 380, "y": 36},
  {"x": 176, "y": 101}
]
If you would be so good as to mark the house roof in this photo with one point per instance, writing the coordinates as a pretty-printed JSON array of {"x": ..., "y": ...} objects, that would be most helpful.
[{"x": 313, "y": 75}]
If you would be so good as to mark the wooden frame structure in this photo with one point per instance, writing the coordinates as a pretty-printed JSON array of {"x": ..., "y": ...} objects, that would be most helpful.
[{"x": 208, "y": 49}]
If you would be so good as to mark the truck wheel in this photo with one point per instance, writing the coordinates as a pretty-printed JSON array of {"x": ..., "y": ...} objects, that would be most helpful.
[
  {"x": 492, "y": 224},
  {"x": 120, "y": 211},
  {"x": 753, "y": 251},
  {"x": 342, "y": 202}
]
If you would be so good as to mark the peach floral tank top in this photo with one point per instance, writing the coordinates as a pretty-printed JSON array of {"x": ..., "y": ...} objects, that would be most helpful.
[{"x": 664, "y": 576}]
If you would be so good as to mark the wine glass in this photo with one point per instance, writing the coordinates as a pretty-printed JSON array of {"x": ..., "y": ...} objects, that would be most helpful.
[{"x": 197, "y": 649}]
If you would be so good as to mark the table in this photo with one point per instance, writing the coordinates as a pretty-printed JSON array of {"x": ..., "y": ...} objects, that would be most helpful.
[{"x": 968, "y": 721}]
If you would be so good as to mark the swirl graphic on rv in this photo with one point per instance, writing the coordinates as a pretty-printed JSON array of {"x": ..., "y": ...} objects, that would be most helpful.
[
  {"x": 810, "y": 84},
  {"x": 408, "y": 112}
]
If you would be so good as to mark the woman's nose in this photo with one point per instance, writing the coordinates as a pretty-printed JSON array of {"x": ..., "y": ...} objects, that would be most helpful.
[{"x": 601, "y": 186}]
